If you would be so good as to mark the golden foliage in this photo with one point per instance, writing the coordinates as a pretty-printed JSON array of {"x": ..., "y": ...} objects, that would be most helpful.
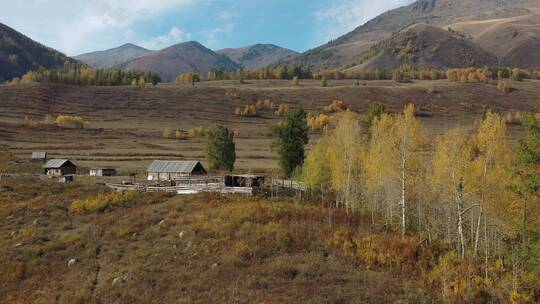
[
  {"x": 249, "y": 111},
  {"x": 102, "y": 201},
  {"x": 336, "y": 106},
  {"x": 196, "y": 132},
  {"x": 282, "y": 110},
  {"x": 319, "y": 123},
  {"x": 68, "y": 121}
]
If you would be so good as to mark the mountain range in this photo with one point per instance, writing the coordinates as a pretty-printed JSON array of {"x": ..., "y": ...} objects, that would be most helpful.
[{"x": 426, "y": 33}]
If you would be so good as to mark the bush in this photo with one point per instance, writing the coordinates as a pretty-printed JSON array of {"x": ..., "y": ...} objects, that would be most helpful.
[
  {"x": 67, "y": 121},
  {"x": 197, "y": 132},
  {"x": 318, "y": 123},
  {"x": 376, "y": 109},
  {"x": 168, "y": 133},
  {"x": 296, "y": 81},
  {"x": 249, "y": 111},
  {"x": 336, "y": 106},
  {"x": 102, "y": 201},
  {"x": 282, "y": 110},
  {"x": 265, "y": 104},
  {"x": 503, "y": 87},
  {"x": 324, "y": 82}
]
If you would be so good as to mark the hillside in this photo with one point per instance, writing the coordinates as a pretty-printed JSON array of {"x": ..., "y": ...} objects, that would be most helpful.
[
  {"x": 515, "y": 41},
  {"x": 423, "y": 45},
  {"x": 112, "y": 57},
  {"x": 343, "y": 50},
  {"x": 258, "y": 55},
  {"x": 180, "y": 58},
  {"x": 20, "y": 54}
]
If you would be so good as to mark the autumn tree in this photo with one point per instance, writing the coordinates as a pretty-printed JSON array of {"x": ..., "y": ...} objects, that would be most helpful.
[
  {"x": 290, "y": 138},
  {"x": 220, "y": 148},
  {"x": 376, "y": 109},
  {"x": 393, "y": 145},
  {"x": 450, "y": 177},
  {"x": 345, "y": 147}
]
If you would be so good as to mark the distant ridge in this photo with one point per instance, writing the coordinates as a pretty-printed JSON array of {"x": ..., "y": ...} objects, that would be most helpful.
[
  {"x": 258, "y": 55},
  {"x": 181, "y": 58},
  {"x": 20, "y": 54},
  {"x": 112, "y": 57}
]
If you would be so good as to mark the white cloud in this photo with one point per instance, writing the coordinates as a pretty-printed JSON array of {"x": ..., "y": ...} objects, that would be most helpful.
[
  {"x": 174, "y": 36},
  {"x": 227, "y": 15},
  {"x": 342, "y": 16},
  {"x": 74, "y": 26},
  {"x": 213, "y": 36}
]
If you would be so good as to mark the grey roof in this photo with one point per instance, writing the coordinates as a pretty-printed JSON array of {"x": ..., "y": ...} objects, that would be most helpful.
[
  {"x": 173, "y": 166},
  {"x": 56, "y": 163},
  {"x": 38, "y": 154}
]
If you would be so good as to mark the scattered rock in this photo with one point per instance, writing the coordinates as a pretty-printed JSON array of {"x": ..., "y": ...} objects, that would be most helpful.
[
  {"x": 214, "y": 265},
  {"x": 18, "y": 245},
  {"x": 116, "y": 281},
  {"x": 71, "y": 262},
  {"x": 174, "y": 246},
  {"x": 161, "y": 222},
  {"x": 10, "y": 216},
  {"x": 35, "y": 222},
  {"x": 182, "y": 234}
]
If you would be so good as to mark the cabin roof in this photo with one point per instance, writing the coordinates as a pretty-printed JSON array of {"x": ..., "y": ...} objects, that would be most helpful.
[
  {"x": 174, "y": 166},
  {"x": 57, "y": 163},
  {"x": 39, "y": 154}
]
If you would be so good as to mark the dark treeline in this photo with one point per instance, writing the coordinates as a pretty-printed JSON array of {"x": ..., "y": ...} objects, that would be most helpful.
[{"x": 75, "y": 75}]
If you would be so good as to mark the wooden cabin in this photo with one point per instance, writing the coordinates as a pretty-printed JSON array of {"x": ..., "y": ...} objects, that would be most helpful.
[
  {"x": 102, "y": 172},
  {"x": 174, "y": 169},
  {"x": 39, "y": 156},
  {"x": 59, "y": 167}
]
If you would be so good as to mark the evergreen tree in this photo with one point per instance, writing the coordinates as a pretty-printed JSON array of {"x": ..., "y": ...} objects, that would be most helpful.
[{"x": 290, "y": 137}]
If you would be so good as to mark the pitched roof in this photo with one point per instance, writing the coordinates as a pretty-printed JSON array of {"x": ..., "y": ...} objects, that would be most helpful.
[
  {"x": 39, "y": 154},
  {"x": 173, "y": 166},
  {"x": 57, "y": 163}
]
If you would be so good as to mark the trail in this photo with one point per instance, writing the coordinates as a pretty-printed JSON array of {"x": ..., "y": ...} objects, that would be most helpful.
[{"x": 95, "y": 282}]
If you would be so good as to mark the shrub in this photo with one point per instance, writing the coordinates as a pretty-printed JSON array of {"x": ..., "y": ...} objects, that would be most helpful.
[
  {"x": 503, "y": 87},
  {"x": 296, "y": 81},
  {"x": 68, "y": 121},
  {"x": 179, "y": 135},
  {"x": 249, "y": 111},
  {"x": 336, "y": 106},
  {"x": 318, "y": 123},
  {"x": 376, "y": 109},
  {"x": 265, "y": 104},
  {"x": 197, "y": 132},
  {"x": 515, "y": 118},
  {"x": 324, "y": 82},
  {"x": 282, "y": 110},
  {"x": 102, "y": 201},
  {"x": 168, "y": 133}
]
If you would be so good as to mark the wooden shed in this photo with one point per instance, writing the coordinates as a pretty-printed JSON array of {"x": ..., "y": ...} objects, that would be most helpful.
[
  {"x": 102, "y": 172},
  {"x": 174, "y": 169},
  {"x": 244, "y": 180},
  {"x": 39, "y": 156},
  {"x": 59, "y": 167}
]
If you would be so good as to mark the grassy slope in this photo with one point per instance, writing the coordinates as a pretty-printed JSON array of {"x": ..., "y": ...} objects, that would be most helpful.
[{"x": 234, "y": 250}]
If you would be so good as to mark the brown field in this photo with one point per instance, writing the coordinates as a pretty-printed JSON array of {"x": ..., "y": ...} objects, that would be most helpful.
[
  {"x": 126, "y": 124},
  {"x": 157, "y": 248}
]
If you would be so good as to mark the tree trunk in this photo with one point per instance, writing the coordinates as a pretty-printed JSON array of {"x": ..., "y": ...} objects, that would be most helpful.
[{"x": 403, "y": 222}]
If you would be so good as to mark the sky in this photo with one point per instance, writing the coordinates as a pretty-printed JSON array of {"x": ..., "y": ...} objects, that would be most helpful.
[{"x": 79, "y": 26}]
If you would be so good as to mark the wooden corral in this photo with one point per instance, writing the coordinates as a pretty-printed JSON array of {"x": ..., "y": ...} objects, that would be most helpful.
[{"x": 102, "y": 172}]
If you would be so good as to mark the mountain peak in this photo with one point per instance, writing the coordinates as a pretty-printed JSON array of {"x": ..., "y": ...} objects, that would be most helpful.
[{"x": 258, "y": 55}]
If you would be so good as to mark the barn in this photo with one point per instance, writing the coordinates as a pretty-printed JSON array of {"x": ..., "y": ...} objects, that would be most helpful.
[
  {"x": 59, "y": 167},
  {"x": 102, "y": 172},
  {"x": 174, "y": 169}
]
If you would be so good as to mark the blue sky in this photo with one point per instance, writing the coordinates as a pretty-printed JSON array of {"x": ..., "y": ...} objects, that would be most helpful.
[{"x": 77, "y": 26}]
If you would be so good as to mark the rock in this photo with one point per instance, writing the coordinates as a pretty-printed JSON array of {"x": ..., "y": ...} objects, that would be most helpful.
[
  {"x": 116, "y": 280},
  {"x": 10, "y": 216},
  {"x": 161, "y": 222},
  {"x": 182, "y": 234},
  {"x": 215, "y": 265},
  {"x": 35, "y": 222},
  {"x": 18, "y": 245},
  {"x": 71, "y": 262}
]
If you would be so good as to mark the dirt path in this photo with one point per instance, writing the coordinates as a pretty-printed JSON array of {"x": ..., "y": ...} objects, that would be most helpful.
[{"x": 96, "y": 280}]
